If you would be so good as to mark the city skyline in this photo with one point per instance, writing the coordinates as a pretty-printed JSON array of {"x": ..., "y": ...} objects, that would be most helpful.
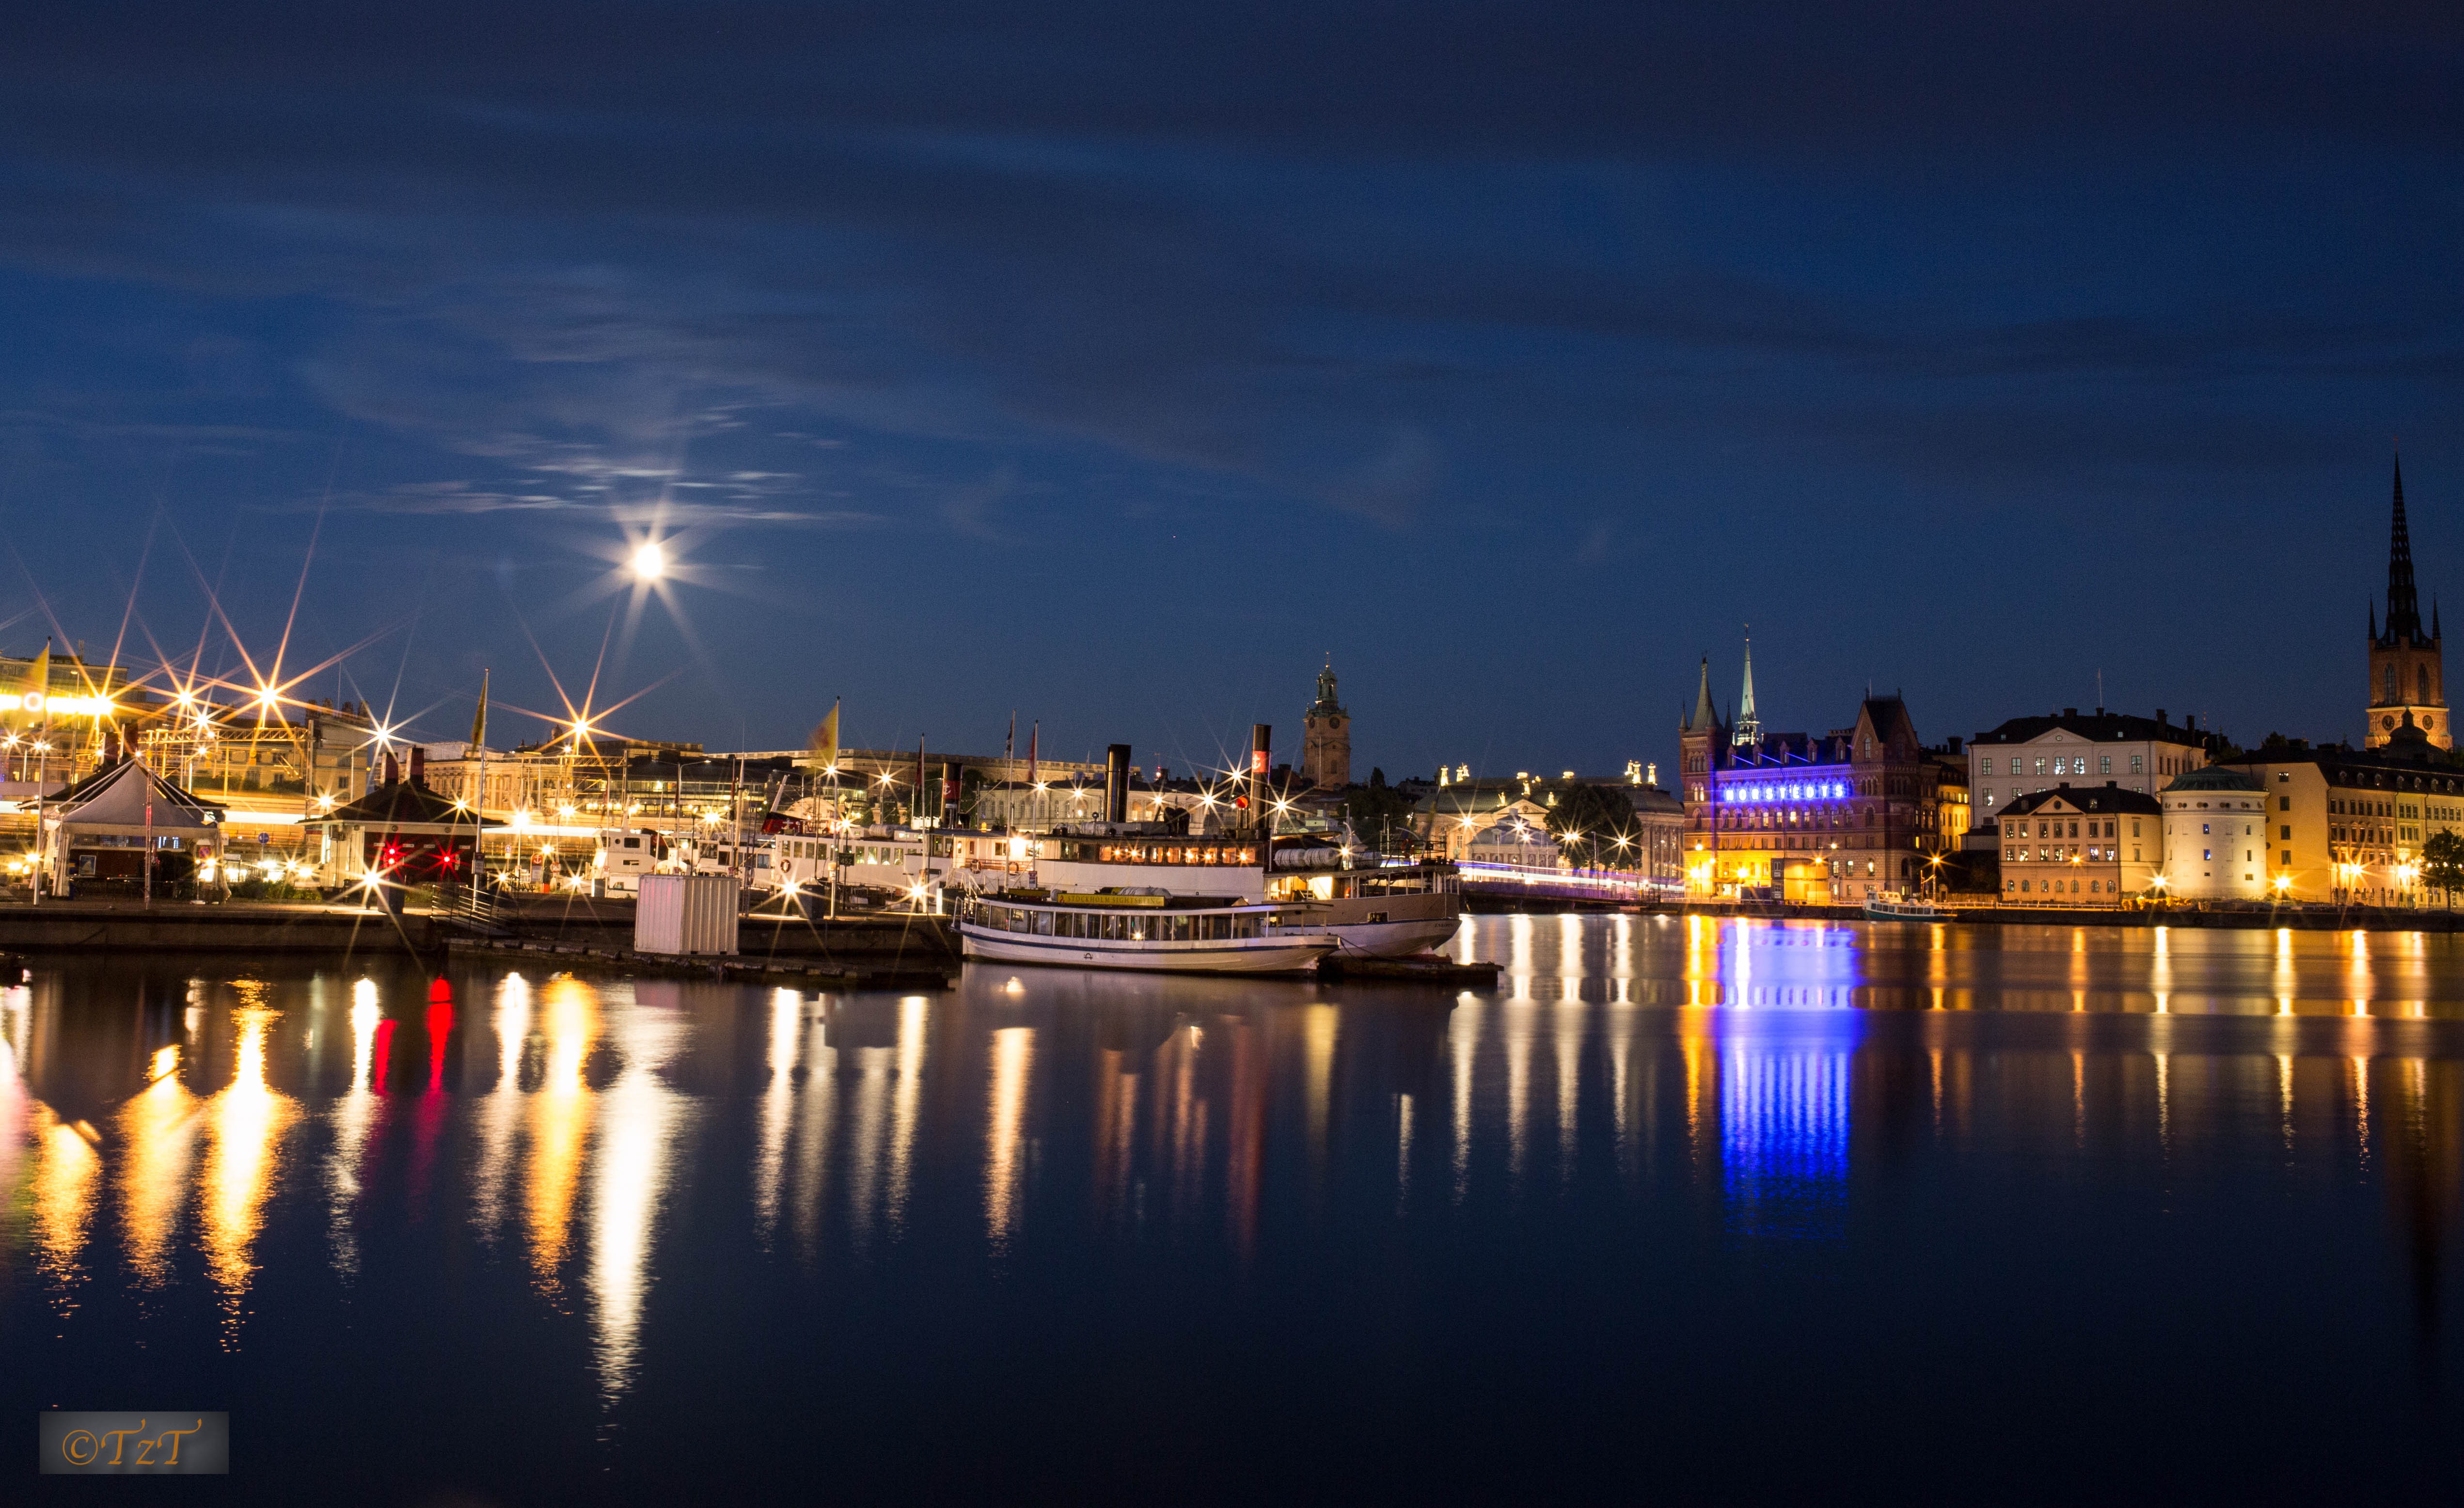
[{"x": 956, "y": 388}]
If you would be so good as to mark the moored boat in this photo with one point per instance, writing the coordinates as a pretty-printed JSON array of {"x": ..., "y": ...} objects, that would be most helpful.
[
  {"x": 1127, "y": 930},
  {"x": 1905, "y": 908}
]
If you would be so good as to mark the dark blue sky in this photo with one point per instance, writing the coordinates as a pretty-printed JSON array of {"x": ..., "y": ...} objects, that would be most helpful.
[{"x": 1117, "y": 362}]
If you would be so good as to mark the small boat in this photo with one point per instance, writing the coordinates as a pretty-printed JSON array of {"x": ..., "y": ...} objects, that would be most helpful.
[
  {"x": 1148, "y": 931},
  {"x": 1905, "y": 908}
]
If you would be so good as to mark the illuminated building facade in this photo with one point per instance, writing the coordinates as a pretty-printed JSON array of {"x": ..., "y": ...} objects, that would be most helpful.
[
  {"x": 1841, "y": 817},
  {"x": 2081, "y": 845},
  {"x": 2406, "y": 681},
  {"x": 2348, "y": 825},
  {"x": 2216, "y": 836},
  {"x": 2027, "y": 755}
]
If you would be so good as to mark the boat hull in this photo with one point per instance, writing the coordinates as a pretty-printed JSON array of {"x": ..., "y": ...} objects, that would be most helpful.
[
  {"x": 1395, "y": 938},
  {"x": 1287, "y": 954}
]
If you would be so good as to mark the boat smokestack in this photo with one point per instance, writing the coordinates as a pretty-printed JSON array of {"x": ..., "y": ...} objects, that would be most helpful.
[
  {"x": 392, "y": 769},
  {"x": 1117, "y": 782},
  {"x": 418, "y": 764},
  {"x": 949, "y": 793},
  {"x": 1261, "y": 748}
]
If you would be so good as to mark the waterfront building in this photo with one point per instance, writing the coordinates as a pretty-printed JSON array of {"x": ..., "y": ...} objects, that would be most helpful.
[
  {"x": 1515, "y": 842},
  {"x": 2406, "y": 680},
  {"x": 2348, "y": 825},
  {"x": 1449, "y": 817},
  {"x": 278, "y": 764},
  {"x": 558, "y": 780},
  {"x": 2081, "y": 845},
  {"x": 2026, "y": 754},
  {"x": 1660, "y": 835},
  {"x": 1856, "y": 809},
  {"x": 1037, "y": 807},
  {"x": 402, "y": 832},
  {"x": 2216, "y": 836},
  {"x": 1326, "y": 738},
  {"x": 1954, "y": 806}
]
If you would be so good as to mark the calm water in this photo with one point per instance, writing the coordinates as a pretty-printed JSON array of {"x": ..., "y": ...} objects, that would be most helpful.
[{"x": 1682, "y": 1208}]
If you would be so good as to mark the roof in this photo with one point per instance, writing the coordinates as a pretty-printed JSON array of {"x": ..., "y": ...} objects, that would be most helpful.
[
  {"x": 404, "y": 803},
  {"x": 1891, "y": 721},
  {"x": 2100, "y": 728},
  {"x": 2098, "y": 799},
  {"x": 2215, "y": 777},
  {"x": 117, "y": 795}
]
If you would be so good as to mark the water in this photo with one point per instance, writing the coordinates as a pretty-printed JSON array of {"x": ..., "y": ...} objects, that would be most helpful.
[{"x": 1682, "y": 1208}]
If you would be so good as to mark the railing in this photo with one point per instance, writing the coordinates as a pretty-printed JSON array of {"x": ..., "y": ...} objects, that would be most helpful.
[{"x": 468, "y": 903}]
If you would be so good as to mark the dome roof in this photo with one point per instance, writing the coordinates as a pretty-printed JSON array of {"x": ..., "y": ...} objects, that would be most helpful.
[{"x": 2215, "y": 777}]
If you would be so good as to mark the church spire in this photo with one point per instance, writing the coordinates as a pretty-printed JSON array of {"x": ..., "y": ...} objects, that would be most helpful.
[
  {"x": 1703, "y": 716},
  {"x": 2404, "y": 603},
  {"x": 1749, "y": 727}
]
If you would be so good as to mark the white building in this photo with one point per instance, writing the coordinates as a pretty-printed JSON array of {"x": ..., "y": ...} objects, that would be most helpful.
[
  {"x": 2027, "y": 755},
  {"x": 1515, "y": 843},
  {"x": 2216, "y": 836}
]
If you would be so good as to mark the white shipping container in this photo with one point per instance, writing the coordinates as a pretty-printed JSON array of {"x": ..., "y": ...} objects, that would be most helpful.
[{"x": 685, "y": 914}]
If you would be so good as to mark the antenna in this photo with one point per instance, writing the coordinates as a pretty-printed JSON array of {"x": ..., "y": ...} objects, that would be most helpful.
[{"x": 2100, "y": 693}]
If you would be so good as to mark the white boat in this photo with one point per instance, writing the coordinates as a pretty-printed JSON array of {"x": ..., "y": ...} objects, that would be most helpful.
[
  {"x": 1905, "y": 908},
  {"x": 1391, "y": 911},
  {"x": 1151, "y": 932}
]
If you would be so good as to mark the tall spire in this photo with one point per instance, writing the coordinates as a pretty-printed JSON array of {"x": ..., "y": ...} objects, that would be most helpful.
[
  {"x": 1703, "y": 716},
  {"x": 1749, "y": 727},
  {"x": 2404, "y": 604}
]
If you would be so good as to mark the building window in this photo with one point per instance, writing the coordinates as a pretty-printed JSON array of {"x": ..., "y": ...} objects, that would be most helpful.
[
  {"x": 2288, "y": 858},
  {"x": 2134, "y": 764},
  {"x": 1989, "y": 766}
]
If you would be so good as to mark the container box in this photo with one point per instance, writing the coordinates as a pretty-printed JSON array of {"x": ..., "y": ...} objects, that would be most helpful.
[{"x": 685, "y": 914}]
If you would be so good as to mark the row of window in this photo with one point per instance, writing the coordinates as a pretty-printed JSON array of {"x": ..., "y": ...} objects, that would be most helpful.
[
  {"x": 2095, "y": 853},
  {"x": 2053, "y": 829},
  {"x": 2065, "y": 765},
  {"x": 1118, "y": 926}
]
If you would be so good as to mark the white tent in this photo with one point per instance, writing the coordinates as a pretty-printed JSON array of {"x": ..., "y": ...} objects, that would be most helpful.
[{"x": 100, "y": 828}]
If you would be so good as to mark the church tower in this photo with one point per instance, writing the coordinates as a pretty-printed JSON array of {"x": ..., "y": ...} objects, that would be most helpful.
[
  {"x": 2404, "y": 673},
  {"x": 1325, "y": 737}
]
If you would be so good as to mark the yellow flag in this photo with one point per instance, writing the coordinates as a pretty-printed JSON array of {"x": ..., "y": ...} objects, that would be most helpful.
[
  {"x": 825, "y": 736},
  {"x": 38, "y": 681}
]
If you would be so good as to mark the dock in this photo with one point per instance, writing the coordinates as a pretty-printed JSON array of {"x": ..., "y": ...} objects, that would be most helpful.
[{"x": 1427, "y": 969}]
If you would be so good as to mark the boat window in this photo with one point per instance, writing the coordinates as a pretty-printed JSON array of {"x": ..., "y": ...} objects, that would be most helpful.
[
  {"x": 1137, "y": 929},
  {"x": 1112, "y": 922},
  {"x": 1179, "y": 929},
  {"x": 1043, "y": 924}
]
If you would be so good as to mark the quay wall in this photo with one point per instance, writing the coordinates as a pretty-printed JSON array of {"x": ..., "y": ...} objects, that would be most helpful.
[
  {"x": 71, "y": 926},
  {"x": 2351, "y": 918}
]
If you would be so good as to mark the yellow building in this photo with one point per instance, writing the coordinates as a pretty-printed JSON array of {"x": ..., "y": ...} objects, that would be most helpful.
[{"x": 2348, "y": 825}]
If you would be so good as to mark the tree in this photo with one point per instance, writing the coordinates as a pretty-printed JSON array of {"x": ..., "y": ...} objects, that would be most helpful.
[
  {"x": 1379, "y": 815},
  {"x": 2442, "y": 864},
  {"x": 1588, "y": 820}
]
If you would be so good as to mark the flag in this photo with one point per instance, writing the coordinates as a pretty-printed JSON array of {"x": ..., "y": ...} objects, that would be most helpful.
[
  {"x": 825, "y": 741},
  {"x": 1009, "y": 741},
  {"x": 1033, "y": 728},
  {"x": 38, "y": 682},
  {"x": 479, "y": 723}
]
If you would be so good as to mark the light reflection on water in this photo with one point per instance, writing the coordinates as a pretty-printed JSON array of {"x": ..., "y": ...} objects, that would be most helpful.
[{"x": 601, "y": 1154}]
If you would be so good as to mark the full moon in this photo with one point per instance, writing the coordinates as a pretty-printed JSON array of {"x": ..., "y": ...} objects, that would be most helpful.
[{"x": 649, "y": 562}]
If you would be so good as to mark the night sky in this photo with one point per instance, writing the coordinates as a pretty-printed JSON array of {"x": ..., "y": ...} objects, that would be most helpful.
[{"x": 1115, "y": 363}]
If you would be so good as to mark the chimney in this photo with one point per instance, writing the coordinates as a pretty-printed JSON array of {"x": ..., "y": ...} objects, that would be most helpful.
[
  {"x": 2070, "y": 712},
  {"x": 392, "y": 769},
  {"x": 419, "y": 764},
  {"x": 1117, "y": 782},
  {"x": 2159, "y": 717}
]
